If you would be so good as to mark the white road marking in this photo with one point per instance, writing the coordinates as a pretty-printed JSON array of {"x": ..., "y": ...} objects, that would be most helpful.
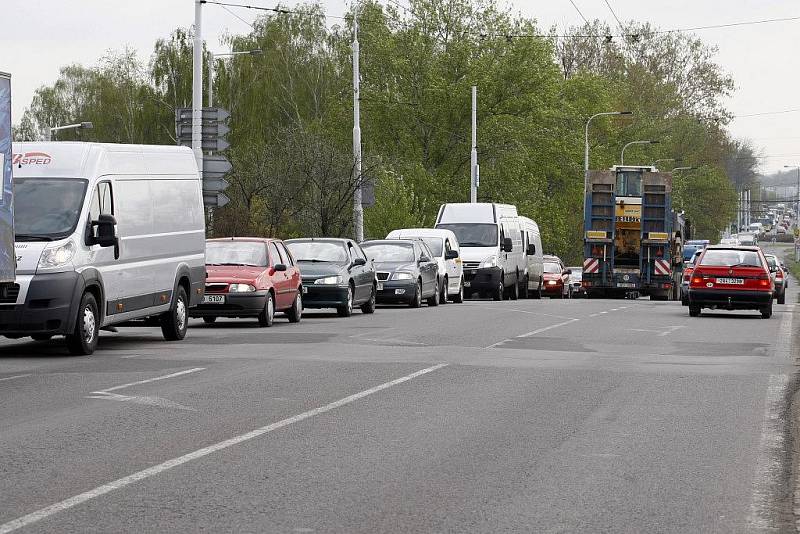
[
  {"x": 14, "y": 377},
  {"x": 517, "y": 310},
  {"x": 81, "y": 498},
  {"x": 173, "y": 375},
  {"x": 546, "y": 328}
]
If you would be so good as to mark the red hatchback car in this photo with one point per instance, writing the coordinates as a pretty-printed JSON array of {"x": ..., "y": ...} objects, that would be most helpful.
[
  {"x": 731, "y": 278},
  {"x": 250, "y": 277},
  {"x": 556, "y": 278}
]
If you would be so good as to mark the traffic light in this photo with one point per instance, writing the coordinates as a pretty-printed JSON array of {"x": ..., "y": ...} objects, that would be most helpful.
[{"x": 213, "y": 131}]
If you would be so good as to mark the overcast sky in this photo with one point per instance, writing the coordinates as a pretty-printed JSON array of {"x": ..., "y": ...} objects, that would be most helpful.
[{"x": 43, "y": 35}]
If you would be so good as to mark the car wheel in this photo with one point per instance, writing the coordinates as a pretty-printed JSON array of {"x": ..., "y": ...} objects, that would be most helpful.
[
  {"x": 443, "y": 293},
  {"x": 210, "y": 320},
  {"x": 83, "y": 339},
  {"x": 500, "y": 290},
  {"x": 369, "y": 306},
  {"x": 346, "y": 310},
  {"x": 459, "y": 297},
  {"x": 433, "y": 300},
  {"x": 694, "y": 310},
  {"x": 41, "y": 337},
  {"x": 766, "y": 311},
  {"x": 782, "y": 298},
  {"x": 416, "y": 299},
  {"x": 295, "y": 313},
  {"x": 267, "y": 316},
  {"x": 513, "y": 292},
  {"x": 176, "y": 320},
  {"x": 538, "y": 293},
  {"x": 524, "y": 292}
]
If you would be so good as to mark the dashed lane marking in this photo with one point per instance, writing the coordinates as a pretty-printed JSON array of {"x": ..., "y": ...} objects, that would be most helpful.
[{"x": 14, "y": 377}]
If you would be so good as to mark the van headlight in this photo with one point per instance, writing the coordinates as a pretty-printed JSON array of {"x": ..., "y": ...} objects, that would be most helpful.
[
  {"x": 402, "y": 276},
  {"x": 328, "y": 281},
  {"x": 57, "y": 256},
  {"x": 491, "y": 261},
  {"x": 241, "y": 288}
]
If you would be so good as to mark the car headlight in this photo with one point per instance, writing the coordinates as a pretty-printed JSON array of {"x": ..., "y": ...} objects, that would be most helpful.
[
  {"x": 551, "y": 282},
  {"x": 241, "y": 288},
  {"x": 57, "y": 256},
  {"x": 402, "y": 276},
  {"x": 491, "y": 261},
  {"x": 328, "y": 281}
]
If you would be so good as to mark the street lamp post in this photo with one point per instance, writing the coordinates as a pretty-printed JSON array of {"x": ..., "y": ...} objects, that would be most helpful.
[
  {"x": 212, "y": 57},
  {"x": 683, "y": 169},
  {"x": 797, "y": 195},
  {"x": 674, "y": 160},
  {"x": 76, "y": 126},
  {"x": 643, "y": 142}
]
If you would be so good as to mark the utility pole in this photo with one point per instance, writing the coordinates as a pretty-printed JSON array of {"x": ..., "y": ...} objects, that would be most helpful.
[
  {"x": 473, "y": 157},
  {"x": 358, "y": 209},
  {"x": 197, "y": 87}
]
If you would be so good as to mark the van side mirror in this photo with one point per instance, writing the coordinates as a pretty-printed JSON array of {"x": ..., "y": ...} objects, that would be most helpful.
[
  {"x": 531, "y": 250},
  {"x": 508, "y": 245},
  {"x": 105, "y": 233},
  {"x": 451, "y": 254},
  {"x": 280, "y": 267}
]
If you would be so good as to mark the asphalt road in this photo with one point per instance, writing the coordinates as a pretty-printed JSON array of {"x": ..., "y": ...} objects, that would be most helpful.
[{"x": 530, "y": 416}]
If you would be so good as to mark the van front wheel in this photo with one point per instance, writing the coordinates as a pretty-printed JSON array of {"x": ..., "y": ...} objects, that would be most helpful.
[
  {"x": 175, "y": 321},
  {"x": 83, "y": 339}
]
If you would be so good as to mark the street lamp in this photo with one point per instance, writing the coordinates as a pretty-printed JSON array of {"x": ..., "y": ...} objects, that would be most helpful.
[
  {"x": 586, "y": 151},
  {"x": 683, "y": 169},
  {"x": 797, "y": 202},
  {"x": 76, "y": 126},
  {"x": 214, "y": 56},
  {"x": 644, "y": 142},
  {"x": 674, "y": 160}
]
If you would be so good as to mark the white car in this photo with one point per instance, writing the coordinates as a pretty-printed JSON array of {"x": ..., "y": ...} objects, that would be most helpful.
[
  {"x": 446, "y": 251},
  {"x": 105, "y": 234}
]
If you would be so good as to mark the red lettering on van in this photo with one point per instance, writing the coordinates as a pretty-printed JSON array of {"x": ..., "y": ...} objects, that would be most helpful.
[{"x": 31, "y": 158}]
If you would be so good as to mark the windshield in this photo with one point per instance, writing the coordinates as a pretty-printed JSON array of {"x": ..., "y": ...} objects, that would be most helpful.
[
  {"x": 473, "y": 235},
  {"x": 436, "y": 244},
  {"x": 46, "y": 208},
  {"x": 389, "y": 252},
  {"x": 689, "y": 250},
  {"x": 552, "y": 268},
  {"x": 252, "y": 254},
  {"x": 772, "y": 261},
  {"x": 318, "y": 251},
  {"x": 730, "y": 258}
]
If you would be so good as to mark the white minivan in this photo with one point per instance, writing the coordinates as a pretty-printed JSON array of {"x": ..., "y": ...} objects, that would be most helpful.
[
  {"x": 105, "y": 234},
  {"x": 446, "y": 250},
  {"x": 491, "y": 247},
  {"x": 534, "y": 273}
]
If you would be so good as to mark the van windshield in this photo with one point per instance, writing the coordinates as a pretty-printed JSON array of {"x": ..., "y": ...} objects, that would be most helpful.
[
  {"x": 46, "y": 209},
  {"x": 473, "y": 235}
]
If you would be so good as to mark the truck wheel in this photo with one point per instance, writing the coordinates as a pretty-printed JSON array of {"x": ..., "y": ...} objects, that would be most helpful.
[
  {"x": 83, "y": 339},
  {"x": 524, "y": 292},
  {"x": 175, "y": 321},
  {"x": 694, "y": 310},
  {"x": 499, "y": 290},
  {"x": 513, "y": 292}
]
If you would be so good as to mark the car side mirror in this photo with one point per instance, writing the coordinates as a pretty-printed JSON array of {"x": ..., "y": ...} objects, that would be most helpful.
[
  {"x": 567, "y": 271},
  {"x": 358, "y": 262},
  {"x": 424, "y": 259},
  {"x": 451, "y": 254},
  {"x": 280, "y": 267},
  {"x": 508, "y": 245},
  {"x": 531, "y": 250}
]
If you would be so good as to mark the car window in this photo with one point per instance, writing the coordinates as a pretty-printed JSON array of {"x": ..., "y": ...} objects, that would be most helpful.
[
  {"x": 434, "y": 245},
  {"x": 285, "y": 255},
  {"x": 101, "y": 201},
  {"x": 358, "y": 252},
  {"x": 274, "y": 255},
  {"x": 731, "y": 258}
]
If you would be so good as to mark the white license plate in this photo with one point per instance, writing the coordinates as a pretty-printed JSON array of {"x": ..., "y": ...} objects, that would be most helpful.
[
  {"x": 213, "y": 299},
  {"x": 467, "y": 284},
  {"x": 380, "y": 286},
  {"x": 731, "y": 281},
  {"x": 625, "y": 284}
]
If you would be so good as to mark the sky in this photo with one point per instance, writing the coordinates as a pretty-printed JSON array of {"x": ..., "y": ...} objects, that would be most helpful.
[{"x": 44, "y": 35}]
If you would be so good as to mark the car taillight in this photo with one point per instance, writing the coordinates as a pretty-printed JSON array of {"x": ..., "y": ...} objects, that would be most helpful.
[
  {"x": 779, "y": 275},
  {"x": 697, "y": 280}
]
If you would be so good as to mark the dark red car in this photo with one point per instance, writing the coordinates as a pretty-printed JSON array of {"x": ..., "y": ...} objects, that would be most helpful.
[
  {"x": 556, "y": 278},
  {"x": 250, "y": 277},
  {"x": 731, "y": 278}
]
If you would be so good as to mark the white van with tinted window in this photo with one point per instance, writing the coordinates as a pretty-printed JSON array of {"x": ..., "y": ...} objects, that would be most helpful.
[
  {"x": 105, "y": 234},
  {"x": 532, "y": 244},
  {"x": 446, "y": 251},
  {"x": 490, "y": 236}
]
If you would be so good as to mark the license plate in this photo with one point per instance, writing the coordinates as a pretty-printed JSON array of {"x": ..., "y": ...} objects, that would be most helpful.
[
  {"x": 380, "y": 286},
  {"x": 625, "y": 284},
  {"x": 305, "y": 290},
  {"x": 213, "y": 299},
  {"x": 731, "y": 281},
  {"x": 467, "y": 284}
]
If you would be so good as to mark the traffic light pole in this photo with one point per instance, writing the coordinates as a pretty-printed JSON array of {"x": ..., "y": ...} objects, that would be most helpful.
[{"x": 197, "y": 87}]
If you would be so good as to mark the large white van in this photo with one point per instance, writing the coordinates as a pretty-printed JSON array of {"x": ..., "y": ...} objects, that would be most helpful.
[
  {"x": 534, "y": 272},
  {"x": 105, "y": 234},
  {"x": 491, "y": 247},
  {"x": 445, "y": 248}
]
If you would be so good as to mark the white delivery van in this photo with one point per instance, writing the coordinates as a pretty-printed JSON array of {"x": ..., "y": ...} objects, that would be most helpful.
[
  {"x": 534, "y": 272},
  {"x": 491, "y": 246},
  {"x": 446, "y": 250},
  {"x": 104, "y": 234}
]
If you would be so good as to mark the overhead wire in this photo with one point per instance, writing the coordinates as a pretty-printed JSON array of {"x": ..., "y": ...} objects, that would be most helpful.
[{"x": 579, "y": 11}]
